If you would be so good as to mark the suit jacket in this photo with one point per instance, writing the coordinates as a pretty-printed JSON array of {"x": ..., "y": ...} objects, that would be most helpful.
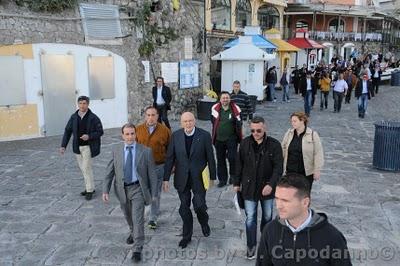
[
  {"x": 94, "y": 130},
  {"x": 145, "y": 168},
  {"x": 303, "y": 86},
  {"x": 201, "y": 154},
  {"x": 165, "y": 93}
]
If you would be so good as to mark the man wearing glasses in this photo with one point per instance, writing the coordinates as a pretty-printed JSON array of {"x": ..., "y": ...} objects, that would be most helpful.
[{"x": 259, "y": 166}]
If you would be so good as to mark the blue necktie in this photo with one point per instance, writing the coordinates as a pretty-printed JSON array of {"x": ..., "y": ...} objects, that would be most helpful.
[{"x": 128, "y": 166}]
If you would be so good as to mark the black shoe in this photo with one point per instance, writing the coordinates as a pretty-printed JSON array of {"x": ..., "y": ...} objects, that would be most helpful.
[
  {"x": 137, "y": 256},
  {"x": 206, "y": 230},
  {"x": 184, "y": 242},
  {"x": 152, "y": 225},
  {"x": 129, "y": 240},
  {"x": 83, "y": 193},
  {"x": 221, "y": 184},
  {"x": 89, "y": 195}
]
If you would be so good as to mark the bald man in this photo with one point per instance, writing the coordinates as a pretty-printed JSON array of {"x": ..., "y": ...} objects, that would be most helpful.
[{"x": 190, "y": 151}]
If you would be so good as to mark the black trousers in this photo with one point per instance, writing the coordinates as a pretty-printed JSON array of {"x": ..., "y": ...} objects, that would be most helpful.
[
  {"x": 225, "y": 150},
  {"x": 199, "y": 206},
  {"x": 375, "y": 86},
  {"x": 338, "y": 99},
  {"x": 348, "y": 95},
  {"x": 163, "y": 115},
  {"x": 324, "y": 99}
]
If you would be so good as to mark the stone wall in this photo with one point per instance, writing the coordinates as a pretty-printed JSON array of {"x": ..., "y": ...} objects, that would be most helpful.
[{"x": 18, "y": 24}]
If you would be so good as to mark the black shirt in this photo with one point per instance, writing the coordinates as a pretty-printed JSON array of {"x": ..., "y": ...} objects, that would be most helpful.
[
  {"x": 188, "y": 144},
  {"x": 82, "y": 129},
  {"x": 295, "y": 163}
]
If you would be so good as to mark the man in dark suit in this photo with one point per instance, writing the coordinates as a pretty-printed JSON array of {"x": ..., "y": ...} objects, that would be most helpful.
[
  {"x": 190, "y": 151},
  {"x": 86, "y": 129},
  {"x": 162, "y": 100},
  {"x": 133, "y": 171}
]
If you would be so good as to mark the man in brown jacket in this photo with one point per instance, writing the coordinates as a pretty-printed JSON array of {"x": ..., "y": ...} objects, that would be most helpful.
[{"x": 156, "y": 136}]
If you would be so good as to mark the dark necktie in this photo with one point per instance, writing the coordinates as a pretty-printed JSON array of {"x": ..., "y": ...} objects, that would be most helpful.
[{"x": 128, "y": 166}]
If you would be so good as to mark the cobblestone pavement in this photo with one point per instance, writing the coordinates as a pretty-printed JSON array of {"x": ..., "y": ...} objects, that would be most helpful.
[{"x": 44, "y": 221}]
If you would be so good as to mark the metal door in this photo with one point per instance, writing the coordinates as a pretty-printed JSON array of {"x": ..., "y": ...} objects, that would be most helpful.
[{"x": 58, "y": 84}]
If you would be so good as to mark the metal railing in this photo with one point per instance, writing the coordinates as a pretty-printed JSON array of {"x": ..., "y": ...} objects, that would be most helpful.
[{"x": 346, "y": 36}]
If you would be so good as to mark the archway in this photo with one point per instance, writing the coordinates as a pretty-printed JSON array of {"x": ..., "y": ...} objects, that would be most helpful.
[{"x": 268, "y": 17}]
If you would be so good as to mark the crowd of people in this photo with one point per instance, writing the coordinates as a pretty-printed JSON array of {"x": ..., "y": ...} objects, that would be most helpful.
[
  {"x": 262, "y": 171},
  {"x": 356, "y": 76}
]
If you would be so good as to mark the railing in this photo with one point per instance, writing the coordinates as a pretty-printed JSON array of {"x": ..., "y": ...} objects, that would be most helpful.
[{"x": 346, "y": 36}]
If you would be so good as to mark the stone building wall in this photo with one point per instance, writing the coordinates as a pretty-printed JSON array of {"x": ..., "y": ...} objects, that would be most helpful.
[{"x": 18, "y": 24}]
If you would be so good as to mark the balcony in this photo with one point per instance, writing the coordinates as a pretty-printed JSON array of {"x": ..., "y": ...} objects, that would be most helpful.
[{"x": 346, "y": 36}]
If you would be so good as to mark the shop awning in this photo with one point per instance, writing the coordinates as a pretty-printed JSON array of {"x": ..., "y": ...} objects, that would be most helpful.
[
  {"x": 284, "y": 46},
  {"x": 257, "y": 40},
  {"x": 305, "y": 43}
]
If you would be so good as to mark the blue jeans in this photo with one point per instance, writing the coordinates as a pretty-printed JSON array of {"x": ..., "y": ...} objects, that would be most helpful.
[
  {"x": 285, "y": 96},
  {"x": 307, "y": 102},
  {"x": 250, "y": 208},
  {"x": 272, "y": 90},
  {"x": 362, "y": 104}
]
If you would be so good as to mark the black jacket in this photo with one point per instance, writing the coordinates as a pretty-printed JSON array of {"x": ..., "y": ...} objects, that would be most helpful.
[
  {"x": 319, "y": 244},
  {"x": 94, "y": 130},
  {"x": 303, "y": 86},
  {"x": 269, "y": 171},
  {"x": 359, "y": 88},
  {"x": 373, "y": 73},
  {"x": 201, "y": 155},
  {"x": 272, "y": 77},
  {"x": 165, "y": 93}
]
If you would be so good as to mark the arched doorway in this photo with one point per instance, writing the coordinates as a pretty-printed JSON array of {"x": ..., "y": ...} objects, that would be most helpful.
[
  {"x": 346, "y": 50},
  {"x": 268, "y": 17},
  {"x": 243, "y": 14},
  {"x": 301, "y": 24},
  {"x": 327, "y": 53},
  {"x": 335, "y": 26}
]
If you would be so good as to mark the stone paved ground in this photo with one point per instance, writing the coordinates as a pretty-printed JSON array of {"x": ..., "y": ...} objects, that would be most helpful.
[{"x": 44, "y": 221}]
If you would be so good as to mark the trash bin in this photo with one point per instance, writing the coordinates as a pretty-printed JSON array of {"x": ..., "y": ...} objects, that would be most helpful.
[
  {"x": 387, "y": 146},
  {"x": 395, "y": 78},
  {"x": 204, "y": 109},
  {"x": 253, "y": 103}
]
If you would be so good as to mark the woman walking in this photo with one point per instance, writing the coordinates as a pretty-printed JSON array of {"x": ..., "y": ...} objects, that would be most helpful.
[{"x": 302, "y": 149}]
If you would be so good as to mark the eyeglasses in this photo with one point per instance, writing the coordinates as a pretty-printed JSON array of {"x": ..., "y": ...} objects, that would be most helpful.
[{"x": 256, "y": 130}]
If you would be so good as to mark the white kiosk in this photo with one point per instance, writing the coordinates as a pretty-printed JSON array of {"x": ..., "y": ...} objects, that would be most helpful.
[{"x": 244, "y": 62}]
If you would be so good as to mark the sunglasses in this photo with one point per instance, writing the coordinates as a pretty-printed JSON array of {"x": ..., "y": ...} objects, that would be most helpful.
[{"x": 256, "y": 130}]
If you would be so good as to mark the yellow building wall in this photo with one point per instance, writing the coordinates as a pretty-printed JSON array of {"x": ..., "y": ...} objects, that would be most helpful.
[{"x": 19, "y": 122}]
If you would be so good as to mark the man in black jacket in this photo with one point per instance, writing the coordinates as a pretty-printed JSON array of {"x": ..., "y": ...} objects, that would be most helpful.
[
  {"x": 162, "y": 100},
  {"x": 86, "y": 129},
  {"x": 259, "y": 165},
  {"x": 363, "y": 93},
  {"x": 299, "y": 235}
]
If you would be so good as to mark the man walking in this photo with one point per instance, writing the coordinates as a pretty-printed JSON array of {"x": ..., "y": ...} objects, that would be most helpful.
[
  {"x": 226, "y": 134},
  {"x": 156, "y": 136},
  {"x": 190, "y": 151},
  {"x": 339, "y": 90},
  {"x": 299, "y": 235},
  {"x": 132, "y": 170},
  {"x": 162, "y": 100},
  {"x": 259, "y": 167},
  {"x": 296, "y": 76},
  {"x": 242, "y": 100},
  {"x": 86, "y": 129},
  {"x": 363, "y": 94},
  {"x": 307, "y": 87},
  {"x": 285, "y": 80},
  {"x": 272, "y": 79}
]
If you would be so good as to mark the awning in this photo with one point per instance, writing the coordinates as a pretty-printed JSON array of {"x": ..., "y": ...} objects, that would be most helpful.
[
  {"x": 284, "y": 46},
  {"x": 275, "y": 2},
  {"x": 257, "y": 40},
  {"x": 304, "y": 43}
]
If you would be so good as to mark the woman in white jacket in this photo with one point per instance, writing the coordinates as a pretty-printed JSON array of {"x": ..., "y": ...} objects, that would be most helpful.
[{"x": 302, "y": 149}]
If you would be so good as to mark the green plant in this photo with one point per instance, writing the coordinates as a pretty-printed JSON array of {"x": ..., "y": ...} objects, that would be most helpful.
[
  {"x": 153, "y": 34},
  {"x": 47, "y": 5}
]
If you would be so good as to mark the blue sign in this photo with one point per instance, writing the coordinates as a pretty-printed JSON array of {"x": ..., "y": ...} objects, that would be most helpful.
[{"x": 188, "y": 74}]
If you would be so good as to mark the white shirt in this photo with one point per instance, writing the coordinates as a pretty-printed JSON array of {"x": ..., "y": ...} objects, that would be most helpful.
[
  {"x": 340, "y": 85},
  {"x": 160, "y": 99},
  {"x": 376, "y": 75},
  {"x": 309, "y": 88},
  {"x": 191, "y": 133},
  {"x": 302, "y": 226},
  {"x": 365, "y": 87}
]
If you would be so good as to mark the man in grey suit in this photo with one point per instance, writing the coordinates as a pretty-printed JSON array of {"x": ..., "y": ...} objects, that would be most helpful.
[
  {"x": 190, "y": 151},
  {"x": 133, "y": 172}
]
